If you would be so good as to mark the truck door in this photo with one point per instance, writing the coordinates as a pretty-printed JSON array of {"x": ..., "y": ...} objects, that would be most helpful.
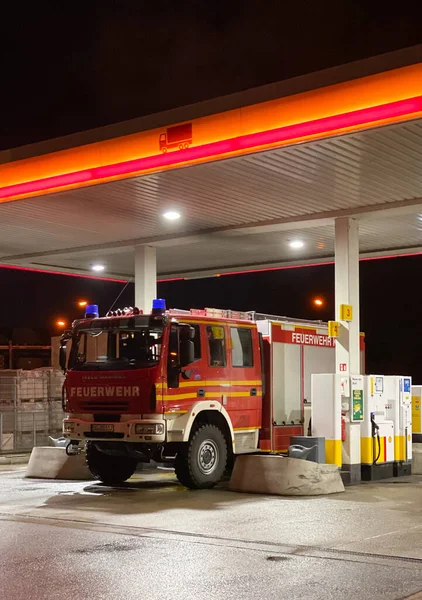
[
  {"x": 188, "y": 387},
  {"x": 218, "y": 370},
  {"x": 245, "y": 397}
]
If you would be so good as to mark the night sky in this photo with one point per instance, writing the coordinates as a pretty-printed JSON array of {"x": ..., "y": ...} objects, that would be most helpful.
[
  {"x": 390, "y": 303},
  {"x": 66, "y": 68},
  {"x": 74, "y": 66}
]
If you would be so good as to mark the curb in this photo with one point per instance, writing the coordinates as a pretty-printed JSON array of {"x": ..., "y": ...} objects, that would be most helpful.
[{"x": 14, "y": 460}]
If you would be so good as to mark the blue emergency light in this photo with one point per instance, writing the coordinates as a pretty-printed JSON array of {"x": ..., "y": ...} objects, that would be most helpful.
[
  {"x": 158, "y": 306},
  {"x": 91, "y": 311}
]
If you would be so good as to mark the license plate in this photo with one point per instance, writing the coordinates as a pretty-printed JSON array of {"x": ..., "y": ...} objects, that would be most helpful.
[{"x": 101, "y": 428}]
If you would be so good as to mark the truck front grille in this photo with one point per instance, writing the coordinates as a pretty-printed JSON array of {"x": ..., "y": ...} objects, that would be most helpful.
[
  {"x": 101, "y": 418},
  {"x": 94, "y": 406}
]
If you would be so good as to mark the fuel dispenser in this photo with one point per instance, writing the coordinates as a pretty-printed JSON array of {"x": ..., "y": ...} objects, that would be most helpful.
[
  {"x": 366, "y": 421},
  {"x": 398, "y": 391},
  {"x": 337, "y": 411},
  {"x": 377, "y": 431},
  {"x": 416, "y": 414}
]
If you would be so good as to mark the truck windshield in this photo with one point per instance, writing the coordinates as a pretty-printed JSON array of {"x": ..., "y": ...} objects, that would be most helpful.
[{"x": 116, "y": 344}]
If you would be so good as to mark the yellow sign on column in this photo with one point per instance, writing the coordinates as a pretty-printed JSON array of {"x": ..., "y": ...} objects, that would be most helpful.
[
  {"x": 416, "y": 414},
  {"x": 346, "y": 312},
  {"x": 333, "y": 328}
]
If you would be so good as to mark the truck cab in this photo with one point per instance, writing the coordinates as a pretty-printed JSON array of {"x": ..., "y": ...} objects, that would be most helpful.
[{"x": 178, "y": 386}]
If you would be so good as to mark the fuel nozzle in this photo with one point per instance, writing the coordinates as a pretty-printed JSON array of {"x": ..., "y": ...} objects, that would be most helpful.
[
  {"x": 375, "y": 427},
  {"x": 376, "y": 439}
]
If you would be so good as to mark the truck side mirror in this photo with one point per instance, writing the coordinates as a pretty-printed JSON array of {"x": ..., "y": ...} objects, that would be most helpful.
[
  {"x": 187, "y": 332},
  {"x": 62, "y": 352},
  {"x": 187, "y": 353},
  {"x": 62, "y": 357},
  {"x": 173, "y": 364}
]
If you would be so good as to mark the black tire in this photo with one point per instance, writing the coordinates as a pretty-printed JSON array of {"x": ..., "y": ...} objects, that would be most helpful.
[
  {"x": 201, "y": 464},
  {"x": 111, "y": 470}
]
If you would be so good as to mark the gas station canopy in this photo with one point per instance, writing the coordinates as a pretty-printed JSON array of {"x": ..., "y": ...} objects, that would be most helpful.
[{"x": 249, "y": 174}]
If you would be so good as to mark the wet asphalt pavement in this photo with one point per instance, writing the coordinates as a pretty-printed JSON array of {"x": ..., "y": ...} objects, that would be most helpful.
[{"x": 154, "y": 539}]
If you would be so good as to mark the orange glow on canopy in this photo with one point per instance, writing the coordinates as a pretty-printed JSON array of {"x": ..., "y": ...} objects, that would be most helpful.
[
  {"x": 273, "y": 138},
  {"x": 389, "y": 97}
]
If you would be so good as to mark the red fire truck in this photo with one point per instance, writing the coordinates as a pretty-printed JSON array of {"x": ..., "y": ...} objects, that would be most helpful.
[{"x": 195, "y": 387}]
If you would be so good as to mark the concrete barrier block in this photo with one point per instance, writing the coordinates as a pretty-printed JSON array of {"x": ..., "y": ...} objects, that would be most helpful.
[
  {"x": 53, "y": 463},
  {"x": 417, "y": 459},
  {"x": 270, "y": 474}
]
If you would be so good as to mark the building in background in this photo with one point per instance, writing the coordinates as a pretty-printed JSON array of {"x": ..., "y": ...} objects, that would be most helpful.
[{"x": 24, "y": 348}]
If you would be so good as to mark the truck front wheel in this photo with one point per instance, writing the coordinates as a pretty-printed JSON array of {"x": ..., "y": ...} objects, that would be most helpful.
[
  {"x": 201, "y": 464},
  {"x": 111, "y": 470}
]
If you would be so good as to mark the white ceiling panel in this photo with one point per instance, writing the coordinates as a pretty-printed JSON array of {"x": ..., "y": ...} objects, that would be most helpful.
[
  {"x": 221, "y": 204},
  {"x": 219, "y": 252}
]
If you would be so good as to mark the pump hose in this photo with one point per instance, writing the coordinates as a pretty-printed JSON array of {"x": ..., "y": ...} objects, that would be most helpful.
[{"x": 379, "y": 448}]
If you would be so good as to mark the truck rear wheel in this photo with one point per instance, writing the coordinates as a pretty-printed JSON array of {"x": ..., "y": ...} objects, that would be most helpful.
[
  {"x": 202, "y": 463},
  {"x": 111, "y": 470}
]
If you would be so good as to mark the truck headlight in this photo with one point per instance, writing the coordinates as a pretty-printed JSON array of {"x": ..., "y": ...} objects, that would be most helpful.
[
  {"x": 149, "y": 428},
  {"x": 68, "y": 427}
]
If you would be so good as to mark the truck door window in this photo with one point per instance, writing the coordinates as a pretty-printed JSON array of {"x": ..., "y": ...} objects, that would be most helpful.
[
  {"x": 197, "y": 341},
  {"x": 242, "y": 351},
  {"x": 217, "y": 346}
]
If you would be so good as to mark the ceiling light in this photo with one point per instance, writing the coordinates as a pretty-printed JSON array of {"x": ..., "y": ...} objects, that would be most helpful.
[
  {"x": 296, "y": 244},
  {"x": 98, "y": 268},
  {"x": 171, "y": 215}
]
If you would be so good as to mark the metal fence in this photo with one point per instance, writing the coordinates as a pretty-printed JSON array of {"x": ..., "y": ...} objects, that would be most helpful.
[{"x": 30, "y": 408}]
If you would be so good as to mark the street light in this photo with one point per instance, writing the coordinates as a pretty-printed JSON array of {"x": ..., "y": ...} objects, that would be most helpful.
[
  {"x": 318, "y": 302},
  {"x": 82, "y": 303},
  {"x": 61, "y": 323}
]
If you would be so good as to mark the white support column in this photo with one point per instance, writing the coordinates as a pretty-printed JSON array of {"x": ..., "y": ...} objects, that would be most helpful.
[
  {"x": 145, "y": 277},
  {"x": 347, "y": 292},
  {"x": 348, "y": 343}
]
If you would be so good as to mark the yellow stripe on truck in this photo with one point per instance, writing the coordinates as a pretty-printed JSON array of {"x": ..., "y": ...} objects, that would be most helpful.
[
  {"x": 208, "y": 396},
  {"x": 245, "y": 428},
  {"x": 227, "y": 383}
]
